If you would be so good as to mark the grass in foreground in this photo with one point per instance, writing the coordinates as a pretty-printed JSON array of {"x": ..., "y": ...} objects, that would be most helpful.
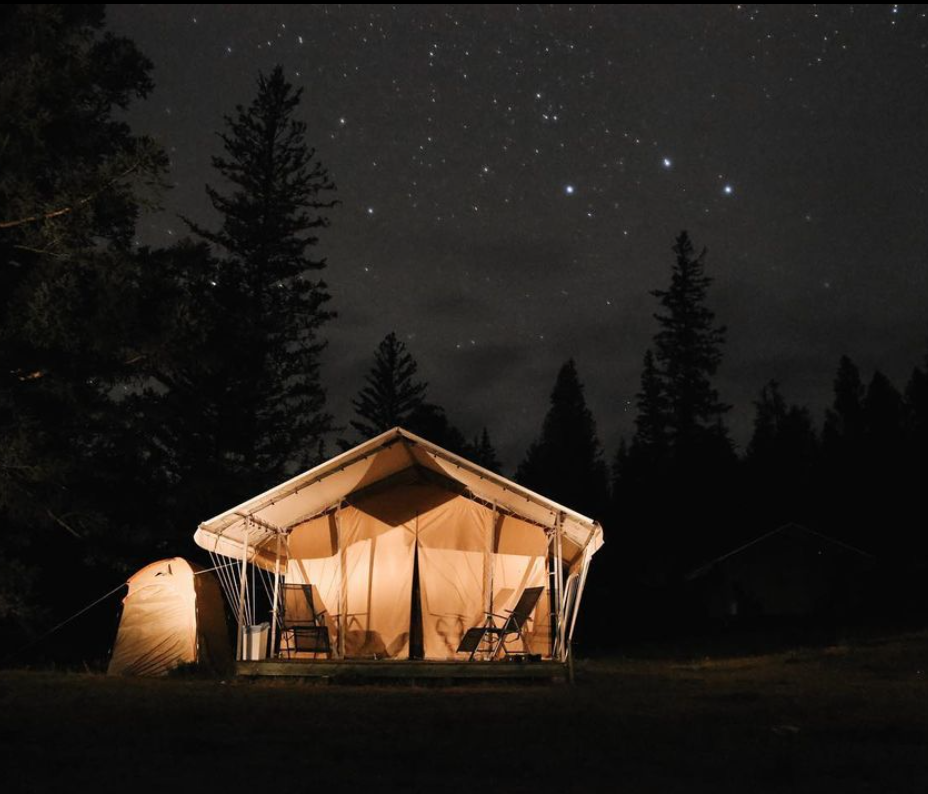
[{"x": 846, "y": 718}]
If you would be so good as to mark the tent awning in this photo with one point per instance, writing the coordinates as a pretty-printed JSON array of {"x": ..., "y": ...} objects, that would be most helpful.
[{"x": 261, "y": 519}]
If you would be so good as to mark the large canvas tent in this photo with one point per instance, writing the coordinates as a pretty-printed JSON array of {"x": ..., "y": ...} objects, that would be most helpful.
[
  {"x": 406, "y": 546},
  {"x": 172, "y": 615}
]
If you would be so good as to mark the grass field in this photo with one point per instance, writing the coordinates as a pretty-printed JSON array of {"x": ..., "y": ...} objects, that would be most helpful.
[{"x": 845, "y": 718}]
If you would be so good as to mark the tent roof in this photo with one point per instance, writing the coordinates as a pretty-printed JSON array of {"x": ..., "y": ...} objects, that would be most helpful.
[
  {"x": 329, "y": 484},
  {"x": 176, "y": 572},
  {"x": 790, "y": 530}
]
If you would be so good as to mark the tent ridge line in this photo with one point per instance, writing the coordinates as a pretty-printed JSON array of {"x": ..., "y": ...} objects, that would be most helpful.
[{"x": 526, "y": 493}]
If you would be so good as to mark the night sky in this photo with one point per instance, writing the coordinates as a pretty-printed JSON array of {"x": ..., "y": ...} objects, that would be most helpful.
[{"x": 512, "y": 179}]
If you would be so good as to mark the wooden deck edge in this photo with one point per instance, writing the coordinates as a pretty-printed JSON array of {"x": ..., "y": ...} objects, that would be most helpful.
[{"x": 405, "y": 670}]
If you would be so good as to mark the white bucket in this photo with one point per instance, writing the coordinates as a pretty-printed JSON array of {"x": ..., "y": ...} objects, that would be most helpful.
[{"x": 256, "y": 642}]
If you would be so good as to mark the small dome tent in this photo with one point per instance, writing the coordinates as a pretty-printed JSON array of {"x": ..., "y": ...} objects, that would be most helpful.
[{"x": 172, "y": 615}]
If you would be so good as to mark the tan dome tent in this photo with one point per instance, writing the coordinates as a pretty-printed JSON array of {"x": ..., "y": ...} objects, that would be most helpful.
[
  {"x": 172, "y": 615},
  {"x": 400, "y": 547}
]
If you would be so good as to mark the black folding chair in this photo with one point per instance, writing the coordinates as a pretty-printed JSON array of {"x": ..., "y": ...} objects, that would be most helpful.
[
  {"x": 496, "y": 636},
  {"x": 302, "y": 628}
]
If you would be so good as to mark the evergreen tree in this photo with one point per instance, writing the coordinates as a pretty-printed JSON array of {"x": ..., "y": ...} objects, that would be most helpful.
[
  {"x": 883, "y": 419},
  {"x": 483, "y": 453},
  {"x": 844, "y": 421},
  {"x": 783, "y": 435},
  {"x": 270, "y": 402},
  {"x": 916, "y": 406},
  {"x": 914, "y": 462},
  {"x": 565, "y": 462},
  {"x": 393, "y": 397},
  {"x": 780, "y": 458},
  {"x": 72, "y": 175},
  {"x": 391, "y": 394},
  {"x": 431, "y": 422},
  {"x": 183, "y": 420},
  {"x": 688, "y": 353},
  {"x": 680, "y": 447},
  {"x": 650, "y": 440}
]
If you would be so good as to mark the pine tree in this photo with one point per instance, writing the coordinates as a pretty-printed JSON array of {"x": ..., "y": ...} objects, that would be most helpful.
[
  {"x": 916, "y": 401},
  {"x": 565, "y": 462},
  {"x": 780, "y": 458},
  {"x": 72, "y": 180},
  {"x": 391, "y": 394},
  {"x": 272, "y": 407},
  {"x": 769, "y": 418},
  {"x": 688, "y": 353},
  {"x": 883, "y": 418},
  {"x": 651, "y": 422},
  {"x": 844, "y": 421},
  {"x": 680, "y": 447},
  {"x": 914, "y": 463},
  {"x": 431, "y": 422},
  {"x": 483, "y": 453}
]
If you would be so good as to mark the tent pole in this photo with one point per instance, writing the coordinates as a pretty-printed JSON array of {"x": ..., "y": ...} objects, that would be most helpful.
[
  {"x": 559, "y": 582},
  {"x": 488, "y": 563},
  {"x": 586, "y": 567},
  {"x": 552, "y": 596},
  {"x": 276, "y": 597},
  {"x": 242, "y": 588},
  {"x": 343, "y": 588}
]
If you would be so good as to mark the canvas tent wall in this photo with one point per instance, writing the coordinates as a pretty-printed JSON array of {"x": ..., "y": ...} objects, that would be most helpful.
[
  {"x": 399, "y": 519},
  {"x": 172, "y": 614}
]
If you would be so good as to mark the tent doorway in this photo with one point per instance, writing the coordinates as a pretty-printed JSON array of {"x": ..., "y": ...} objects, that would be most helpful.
[{"x": 416, "y": 644}]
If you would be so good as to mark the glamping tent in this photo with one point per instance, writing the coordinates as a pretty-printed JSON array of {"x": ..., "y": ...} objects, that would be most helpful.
[
  {"x": 173, "y": 614},
  {"x": 789, "y": 573},
  {"x": 402, "y": 547}
]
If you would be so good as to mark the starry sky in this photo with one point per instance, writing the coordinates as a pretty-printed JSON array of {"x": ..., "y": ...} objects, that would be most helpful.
[{"x": 512, "y": 179}]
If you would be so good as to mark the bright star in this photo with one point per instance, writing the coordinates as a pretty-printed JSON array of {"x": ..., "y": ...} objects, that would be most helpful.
[
  {"x": 569, "y": 189},
  {"x": 728, "y": 190}
]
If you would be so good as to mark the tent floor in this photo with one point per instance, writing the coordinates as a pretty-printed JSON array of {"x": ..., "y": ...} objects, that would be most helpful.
[{"x": 353, "y": 670}]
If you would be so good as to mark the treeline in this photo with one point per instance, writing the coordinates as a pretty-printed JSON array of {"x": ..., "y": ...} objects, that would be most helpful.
[
  {"x": 145, "y": 389},
  {"x": 141, "y": 390}
]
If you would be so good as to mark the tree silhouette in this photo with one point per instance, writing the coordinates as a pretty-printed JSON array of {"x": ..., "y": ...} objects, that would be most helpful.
[
  {"x": 883, "y": 419},
  {"x": 272, "y": 406},
  {"x": 72, "y": 182},
  {"x": 844, "y": 421},
  {"x": 565, "y": 462},
  {"x": 650, "y": 440},
  {"x": 483, "y": 453},
  {"x": 780, "y": 459},
  {"x": 391, "y": 393},
  {"x": 688, "y": 352}
]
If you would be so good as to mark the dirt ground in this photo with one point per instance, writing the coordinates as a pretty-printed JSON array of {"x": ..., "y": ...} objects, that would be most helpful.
[{"x": 846, "y": 718}]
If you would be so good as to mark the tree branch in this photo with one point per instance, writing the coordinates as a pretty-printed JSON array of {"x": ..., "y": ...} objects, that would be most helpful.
[{"x": 77, "y": 205}]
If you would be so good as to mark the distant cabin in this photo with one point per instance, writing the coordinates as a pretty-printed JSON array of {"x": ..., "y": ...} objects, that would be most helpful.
[{"x": 791, "y": 572}]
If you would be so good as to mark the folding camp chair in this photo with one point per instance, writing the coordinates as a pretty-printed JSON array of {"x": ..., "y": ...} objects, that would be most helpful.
[
  {"x": 302, "y": 628},
  {"x": 495, "y": 636}
]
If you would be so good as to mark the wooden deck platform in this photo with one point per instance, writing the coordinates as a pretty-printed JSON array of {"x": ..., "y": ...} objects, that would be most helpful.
[{"x": 356, "y": 670}]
